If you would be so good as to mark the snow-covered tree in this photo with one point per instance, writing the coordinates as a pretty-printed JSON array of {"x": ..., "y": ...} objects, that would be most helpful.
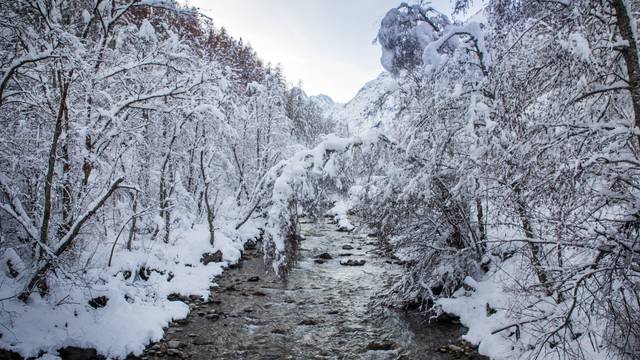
[{"x": 136, "y": 115}]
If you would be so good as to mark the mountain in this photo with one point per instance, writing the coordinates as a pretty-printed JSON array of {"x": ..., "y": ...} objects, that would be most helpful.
[
  {"x": 325, "y": 102},
  {"x": 374, "y": 105}
]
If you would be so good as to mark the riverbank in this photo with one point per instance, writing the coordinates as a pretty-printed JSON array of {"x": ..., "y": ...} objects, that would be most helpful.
[{"x": 329, "y": 307}]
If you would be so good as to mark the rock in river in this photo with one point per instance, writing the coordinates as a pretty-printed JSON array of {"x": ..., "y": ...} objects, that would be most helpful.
[
  {"x": 383, "y": 345},
  {"x": 308, "y": 322},
  {"x": 352, "y": 262},
  {"x": 175, "y": 344},
  {"x": 211, "y": 257}
]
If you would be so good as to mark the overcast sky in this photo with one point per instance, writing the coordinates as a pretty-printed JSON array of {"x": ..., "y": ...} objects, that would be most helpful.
[{"x": 326, "y": 44}]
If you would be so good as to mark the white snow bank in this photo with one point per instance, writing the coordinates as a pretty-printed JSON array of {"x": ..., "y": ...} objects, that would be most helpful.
[
  {"x": 339, "y": 213},
  {"x": 489, "y": 307},
  {"x": 472, "y": 310},
  {"x": 137, "y": 310}
]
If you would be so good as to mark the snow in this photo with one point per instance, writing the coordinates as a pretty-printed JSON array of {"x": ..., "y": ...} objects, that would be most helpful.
[
  {"x": 405, "y": 31},
  {"x": 9, "y": 256},
  {"x": 374, "y": 105},
  {"x": 578, "y": 46},
  {"x": 339, "y": 213},
  {"x": 472, "y": 312},
  {"x": 498, "y": 290},
  {"x": 432, "y": 57},
  {"x": 137, "y": 311},
  {"x": 290, "y": 184},
  {"x": 41, "y": 326},
  {"x": 440, "y": 113},
  {"x": 86, "y": 17},
  {"x": 326, "y": 103},
  {"x": 386, "y": 58},
  {"x": 208, "y": 108},
  {"x": 147, "y": 32}
]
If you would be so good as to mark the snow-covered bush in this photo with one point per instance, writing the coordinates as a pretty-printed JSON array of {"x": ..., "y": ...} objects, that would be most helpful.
[
  {"x": 405, "y": 32},
  {"x": 518, "y": 160}
]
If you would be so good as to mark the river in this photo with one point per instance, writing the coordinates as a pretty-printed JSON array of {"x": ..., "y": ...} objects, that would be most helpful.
[{"x": 324, "y": 310}]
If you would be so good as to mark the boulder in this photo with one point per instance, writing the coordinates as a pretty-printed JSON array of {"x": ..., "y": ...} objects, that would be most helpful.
[
  {"x": 381, "y": 346},
  {"x": 177, "y": 353},
  {"x": 212, "y": 316},
  {"x": 98, "y": 302},
  {"x": 76, "y": 353},
  {"x": 9, "y": 355},
  {"x": 177, "y": 297},
  {"x": 250, "y": 245},
  {"x": 175, "y": 344},
  {"x": 308, "y": 322},
  {"x": 211, "y": 257},
  {"x": 352, "y": 262}
]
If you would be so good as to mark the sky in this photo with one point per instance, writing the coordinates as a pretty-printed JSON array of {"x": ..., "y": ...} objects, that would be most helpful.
[{"x": 324, "y": 44}]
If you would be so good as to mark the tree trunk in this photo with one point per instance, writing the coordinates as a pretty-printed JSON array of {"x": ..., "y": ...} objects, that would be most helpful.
[
  {"x": 67, "y": 188},
  {"x": 536, "y": 250},
  {"x": 87, "y": 166},
  {"x": 482, "y": 236},
  {"x": 192, "y": 154},
  {"x": 211, "y": 216},
  {"x": 241, "y": 186},
  {"x": 132, "y": 231},
  {"x": 167, "y": 206},
  {"x": 630, "y": 54},
  {"x": 164, "y": 207},
  {"x": 48, "y": 184},
  {"x": 258, "y": 160}
]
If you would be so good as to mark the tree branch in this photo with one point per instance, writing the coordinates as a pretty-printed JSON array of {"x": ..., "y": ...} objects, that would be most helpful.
[{"x": 64, "y": 244}]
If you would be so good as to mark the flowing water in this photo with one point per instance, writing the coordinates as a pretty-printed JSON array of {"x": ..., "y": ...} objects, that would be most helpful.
[{"x": 324, "y": 310}]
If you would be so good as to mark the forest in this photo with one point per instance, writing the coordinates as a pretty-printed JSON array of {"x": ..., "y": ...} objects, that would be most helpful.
[{"x": 143, "y": 148}]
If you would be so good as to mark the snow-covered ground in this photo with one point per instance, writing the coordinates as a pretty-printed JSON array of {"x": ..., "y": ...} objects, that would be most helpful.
[
  {"x": 137, "y": 309},
  {"x": 486, "y": 307}
]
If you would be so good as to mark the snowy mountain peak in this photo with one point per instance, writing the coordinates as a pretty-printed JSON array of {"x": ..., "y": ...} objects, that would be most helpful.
[{"x": 325, "y": 102}]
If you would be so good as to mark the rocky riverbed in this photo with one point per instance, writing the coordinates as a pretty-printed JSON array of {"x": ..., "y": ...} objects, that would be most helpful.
[{"x": 324, "y": 310}]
